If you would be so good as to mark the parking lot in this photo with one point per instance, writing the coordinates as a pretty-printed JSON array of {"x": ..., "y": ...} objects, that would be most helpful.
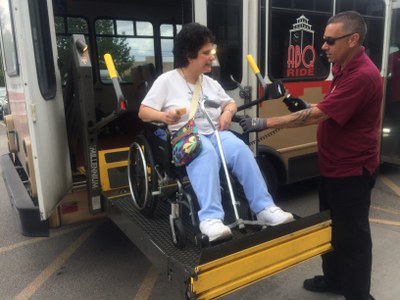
[{"x": 96, "y": 260}]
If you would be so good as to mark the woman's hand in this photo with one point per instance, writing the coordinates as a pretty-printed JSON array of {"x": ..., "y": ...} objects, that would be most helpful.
[
  {"x": 148, "y": 114},
  {"x": 225, "y": 120},
  {"x": 170, "y": 117}
]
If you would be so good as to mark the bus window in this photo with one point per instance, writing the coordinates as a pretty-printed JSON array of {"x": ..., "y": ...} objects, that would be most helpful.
[
  {"x": 224, "y": 18},
  {"x": 364, "y": 7},
  {"x": 8, "y": 39},
  {"x": 131, "y": 44},
  {"x": 65, "y": 27},
  {"x": 167, "y": 33},
  {"x": 325, "y": 6},
  {"x": 373, "y": 12},
  {"x": 295, "y": 39},
  {"x": 42, "y": 47}
]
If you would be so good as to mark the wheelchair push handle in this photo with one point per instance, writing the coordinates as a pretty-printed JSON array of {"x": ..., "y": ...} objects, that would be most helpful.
[
  {"x": 256, "y": 70},
  {"x": 271, "y": 91},
  {"x": 121, "y": 101}
]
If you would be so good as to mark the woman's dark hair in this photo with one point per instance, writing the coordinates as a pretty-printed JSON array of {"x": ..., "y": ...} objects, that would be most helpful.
[{"x": 189, "y": 41}]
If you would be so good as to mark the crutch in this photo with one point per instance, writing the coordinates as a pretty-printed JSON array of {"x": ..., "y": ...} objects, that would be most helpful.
[{"x": 239, "y": 222}]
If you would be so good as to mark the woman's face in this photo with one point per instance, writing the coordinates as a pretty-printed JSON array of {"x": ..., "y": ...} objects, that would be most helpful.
[{"x": 204, "y": 59}]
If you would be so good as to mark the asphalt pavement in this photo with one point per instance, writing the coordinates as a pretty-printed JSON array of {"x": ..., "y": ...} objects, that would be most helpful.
[{"x": 97, "y": 261}]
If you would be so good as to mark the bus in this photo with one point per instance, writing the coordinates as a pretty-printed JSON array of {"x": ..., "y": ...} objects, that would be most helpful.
[{"x": 68, "y": 139}]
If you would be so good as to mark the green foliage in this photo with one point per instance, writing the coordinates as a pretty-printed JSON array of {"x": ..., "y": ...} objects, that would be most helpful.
[{"x": 118, "y": 47}]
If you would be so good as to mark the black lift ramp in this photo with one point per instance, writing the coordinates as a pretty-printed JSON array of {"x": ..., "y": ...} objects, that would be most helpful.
[{"x": 208, "y": 273}]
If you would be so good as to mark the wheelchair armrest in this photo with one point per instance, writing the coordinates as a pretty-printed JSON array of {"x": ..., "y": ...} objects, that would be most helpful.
[
  {"x": 155, "y": 125},
  {"x": 154, "y": 129}
]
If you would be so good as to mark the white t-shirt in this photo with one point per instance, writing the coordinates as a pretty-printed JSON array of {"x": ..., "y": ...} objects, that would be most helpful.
[{"x": 170, "y": 91}]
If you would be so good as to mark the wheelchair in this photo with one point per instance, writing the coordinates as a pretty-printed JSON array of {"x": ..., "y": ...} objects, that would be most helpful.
[{"x": 153, "y": 177}]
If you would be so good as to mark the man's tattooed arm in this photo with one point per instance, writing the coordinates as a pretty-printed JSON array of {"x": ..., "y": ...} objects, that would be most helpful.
[{"x": 303, "y": 117}]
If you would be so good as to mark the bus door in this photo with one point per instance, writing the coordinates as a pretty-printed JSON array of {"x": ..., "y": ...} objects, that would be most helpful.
[
  {"x": 35, "y": 99},
  {"x": 390, "y": 145},
  {"x": 235, "y": 26}
]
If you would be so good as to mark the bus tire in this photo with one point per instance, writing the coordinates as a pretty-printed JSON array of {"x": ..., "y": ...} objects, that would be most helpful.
[{"x": 269, "y": 173}]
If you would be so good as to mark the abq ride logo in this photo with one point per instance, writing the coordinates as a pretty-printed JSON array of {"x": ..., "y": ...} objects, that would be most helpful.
[{"x": 301, "y": 52}]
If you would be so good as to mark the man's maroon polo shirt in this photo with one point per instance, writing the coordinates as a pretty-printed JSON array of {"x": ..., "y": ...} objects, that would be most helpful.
[{"x": 348, "y": 140}]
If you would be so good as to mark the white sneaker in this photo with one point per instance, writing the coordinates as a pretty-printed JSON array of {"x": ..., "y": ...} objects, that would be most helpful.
[
  {"x": 273, "y": 215},
  {"x": 215, "y": 229}
]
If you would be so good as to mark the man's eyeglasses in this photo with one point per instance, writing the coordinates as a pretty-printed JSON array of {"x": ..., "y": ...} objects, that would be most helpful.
[{"x": 331, "y": 40}]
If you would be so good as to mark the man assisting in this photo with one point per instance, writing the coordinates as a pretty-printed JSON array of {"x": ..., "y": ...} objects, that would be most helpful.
[{"x": 347, "y": 135}]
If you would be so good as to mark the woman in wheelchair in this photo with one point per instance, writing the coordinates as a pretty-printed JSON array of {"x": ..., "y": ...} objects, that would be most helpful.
[{"x": 193, "y": 56}]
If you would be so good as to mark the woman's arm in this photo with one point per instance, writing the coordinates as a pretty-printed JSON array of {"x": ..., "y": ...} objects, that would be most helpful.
[
  {"x": 148, "y": 114},
  {"x": 225, "y": 118}
]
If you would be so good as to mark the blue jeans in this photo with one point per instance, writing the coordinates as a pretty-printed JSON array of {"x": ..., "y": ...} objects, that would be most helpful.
[{"x": 203, "y": 173}]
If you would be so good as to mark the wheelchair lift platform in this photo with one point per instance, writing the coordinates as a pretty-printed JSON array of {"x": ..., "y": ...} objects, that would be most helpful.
[{"x": 211, "y": 272}]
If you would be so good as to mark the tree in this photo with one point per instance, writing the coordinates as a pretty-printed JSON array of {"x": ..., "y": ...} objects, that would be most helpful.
[{"x": 118, "y": 47}]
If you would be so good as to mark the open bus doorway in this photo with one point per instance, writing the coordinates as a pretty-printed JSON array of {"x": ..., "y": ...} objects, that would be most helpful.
[{"x": 390, "y": 146}]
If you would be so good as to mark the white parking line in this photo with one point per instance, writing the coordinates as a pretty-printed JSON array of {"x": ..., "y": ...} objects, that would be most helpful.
[{"x": 54, "y": 266}]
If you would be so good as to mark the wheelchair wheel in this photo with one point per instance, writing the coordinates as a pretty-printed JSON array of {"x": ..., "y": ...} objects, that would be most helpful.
[{"x": 141, "y": 177}]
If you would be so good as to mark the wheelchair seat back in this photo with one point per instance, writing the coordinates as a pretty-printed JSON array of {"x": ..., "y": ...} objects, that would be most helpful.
[
  {"x": 159, "y": 140},
  {"x": 143, "y": 77}
]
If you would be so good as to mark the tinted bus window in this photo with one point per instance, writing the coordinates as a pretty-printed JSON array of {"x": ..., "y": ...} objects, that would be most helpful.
[
  {"x": 131, "y": 43},
  {"x": 317, "y": 5},
  {"x": 295, "y": 36},
  {"x": 65, "y": 27},
  {"x": 167, "y": 33},
  {"x": 390, "y": 142},
  {"x": 42, "y": 47},
  {"x": 8, "y": 39},
  {"x": 373, "y": 12},
  {"x": 364, "y": 7},
  {"x": 225, "y": 21}
]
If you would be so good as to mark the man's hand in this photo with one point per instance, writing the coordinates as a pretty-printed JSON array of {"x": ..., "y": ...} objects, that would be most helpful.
[
  {"x": 252, "y": 124},
  {"x": 295, "y": 104}
]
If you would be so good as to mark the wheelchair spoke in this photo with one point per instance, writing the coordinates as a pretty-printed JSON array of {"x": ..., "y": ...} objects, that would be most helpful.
[{"x": 140, "y": 175}]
